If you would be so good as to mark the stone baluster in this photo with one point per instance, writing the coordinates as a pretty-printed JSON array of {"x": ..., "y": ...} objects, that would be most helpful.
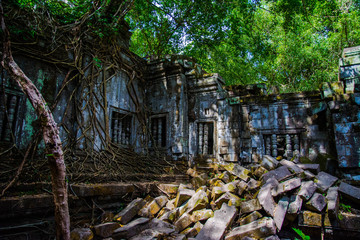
[
  {"x": 201, "y": 128},
  {"x": 274, "y": 145},
  {"x": 268, "y": 145},
  {"x": 206, "y": 139},
  {"x": 288, "y": 147},
  {"x": 159, "y": 132}
]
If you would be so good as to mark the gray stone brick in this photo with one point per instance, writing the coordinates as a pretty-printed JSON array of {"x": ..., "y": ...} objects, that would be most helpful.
[
  {"x": 215, "y": 227},
  {"x": 316, "y": 203},
  {"x": 279, "y": 174},
  {"x": 280, "y": 212},
  {"x": 307, "y": 189},
  {"x": 286, "y": 186},
  {"x": 350, "y": 192},
  {"x": 324, "y": 181},
  {"x": 332, "y": 198}
]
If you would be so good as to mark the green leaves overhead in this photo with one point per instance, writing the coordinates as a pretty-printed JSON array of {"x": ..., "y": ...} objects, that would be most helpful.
[{"x": 294, "y": 44}]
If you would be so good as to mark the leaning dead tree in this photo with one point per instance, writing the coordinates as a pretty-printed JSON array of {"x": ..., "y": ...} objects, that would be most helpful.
[{"x": 50, "y": 134}]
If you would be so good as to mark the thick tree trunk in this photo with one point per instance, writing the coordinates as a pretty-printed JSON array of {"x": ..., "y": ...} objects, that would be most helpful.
[{"x": 50, "y": 135}]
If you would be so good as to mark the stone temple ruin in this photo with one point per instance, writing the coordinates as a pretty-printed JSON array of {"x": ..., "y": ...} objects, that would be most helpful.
[{"x": 191, "y": 116}]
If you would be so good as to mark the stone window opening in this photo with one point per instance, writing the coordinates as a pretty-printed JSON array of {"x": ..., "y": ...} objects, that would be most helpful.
[
  {"x": 158, "y": 131},
  {"x": 205, "y": 138},
  {"x": 121, "y": 128},
  {"x": 9, "y": 107},
  {"x": 286, "y": 145},
  {"x": 207, "y": 111}
]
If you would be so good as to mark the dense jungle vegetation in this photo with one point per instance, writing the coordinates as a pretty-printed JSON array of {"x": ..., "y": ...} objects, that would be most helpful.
[{"x": 293, "y": 44}]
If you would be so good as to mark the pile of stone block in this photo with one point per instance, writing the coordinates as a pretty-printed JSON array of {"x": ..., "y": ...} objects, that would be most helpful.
[{"x": 232, "y": 202}]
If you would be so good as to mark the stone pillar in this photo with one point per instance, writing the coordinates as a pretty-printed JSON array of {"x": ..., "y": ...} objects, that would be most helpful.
[
  {"x": 268, "y": 145},
  {"x": 206, "y": 138},
  {"x": 274, "y": 145},
  {"x": 200, "y": 142},
  {"x": 159, "y": 132},
  {"x": 288, "y": 147}
]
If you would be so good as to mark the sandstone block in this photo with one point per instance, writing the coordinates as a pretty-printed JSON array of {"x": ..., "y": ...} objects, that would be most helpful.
[
  {"x": 182, "y": 196},
  {"x": 280, "y": 212},
  {"x": 350, "y": 221},
  {"x": 266, "y": 199},
  {"x": 253, "y": 184},
  {"x": 217, "y": 192},
  {"x": 170, "y": 216},
  {"x": 292, "y": 166},
  {"x": 294, "y": 207},
  {"x": 238, "y": 171},
  {"x": 192, "y": 232},
  {"x": 261, "y": 228},
  {"x": 286, "y": 186},
  {"x": 215, "y": 227},
  {"x": 324, "y": 181},
  {"x": 250, "y": 206},
  {"x": 183, "y": 222},
  {"x": 241, "y": 187},
  {"x": 279, "y": 174},
  {"x": 128, "y": 213},
  {"x": 198, "y": 181},
  {"x": 230, "y": 187},
  {"x": 229, "y": 198},
  {"x": 106, "y": 229},
  {"x": 198, "y": 201},
  {"x": 332, "y": 198},
  {"x": 313, "y": 168},
  {"x": 131, "y": 229},
  {"x": 307, "y": 218},
  {"x": 307, "y": 189},
  {"x": 202, "y": 214},
  {"x": 316, "y": 203},
  {"x": 259, "y": 171},
  {"x": 225, "y": 177},
  {"x": 269, "y": 162},
  {"x": 81, "y": 234},
  {"x": 170, "y": 189},
  {"x": 350, "y": 192},
  {"x": 249, "y": 218}
]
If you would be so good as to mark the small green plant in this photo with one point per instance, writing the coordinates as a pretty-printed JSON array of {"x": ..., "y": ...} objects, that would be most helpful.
[
  {"x": 301, "y": 234},
  {"x": 345, "y": 207},
  {"x": 340, "y": 216}
]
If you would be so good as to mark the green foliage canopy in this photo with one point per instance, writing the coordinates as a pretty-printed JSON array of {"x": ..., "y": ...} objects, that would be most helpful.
[{"x": 293, "y": 44}]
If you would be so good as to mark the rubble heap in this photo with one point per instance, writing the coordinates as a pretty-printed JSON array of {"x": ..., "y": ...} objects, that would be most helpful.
[{"x": 230, "y": 201}]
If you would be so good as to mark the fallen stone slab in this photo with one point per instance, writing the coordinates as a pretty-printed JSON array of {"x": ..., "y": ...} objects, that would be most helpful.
[
  {"x": 182, "y": 196},
  {"x": 324, "y": 181},
  {"x": 131, "y": 210},
  {"x": 215, "y": 227},
  {"x": 198, "y": 201},
  {"x": 311, "y": 219},
  {"x": 249, "y": 206},
  {"x": 193, "y": 231},
  {"x": 153, "y": 207},
  {"x": 307, "y": 189},
  {"x": 280, "y": 212},
  {"x": 198, "y": 181},
  {"x": 308, "y": 175},
  {"x": 169, "y": 188},
  {"x": 269, "y": 162},
  {"x": 350, "y": 221},
  {"x": 332, "y": 198},
  {"x": 217, "y": 192},
  {"x": 313, "y": 168},
  {"x": 294, "y": 207},
  {"x": 231, "y": 186},
  {"x": 253, "y": 185},
  {"x": 238, "y": 171},
  {"x": 161, "y": 226},
  {"x": 183, "y": 222},
  {"x": 259, "y": 171},
  {"x": 266, "y": 199},
  {"x": 106, "y": 229},
  {"x": 286, "y": 186},
  {"x": 351, "y": 192},
  {"x": 201, "y": 215},
  {"x": 292, "y": 166},
  {"x": 261, "y": 228},
  {"x": 316, "y": 203},
  {"x": 82, "y": 234},
  {"x": 192, "y": 172},
  {"x": 170, "y": 216},
  {"x": 279, "y": 174},
  {"x": 225, "y": 177},
  {"x": 249, "y": 218},
  {"x": 131, "y": 229},
  {"x": 229, "y": 198},
  {"x": 241, "y": 187}
]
